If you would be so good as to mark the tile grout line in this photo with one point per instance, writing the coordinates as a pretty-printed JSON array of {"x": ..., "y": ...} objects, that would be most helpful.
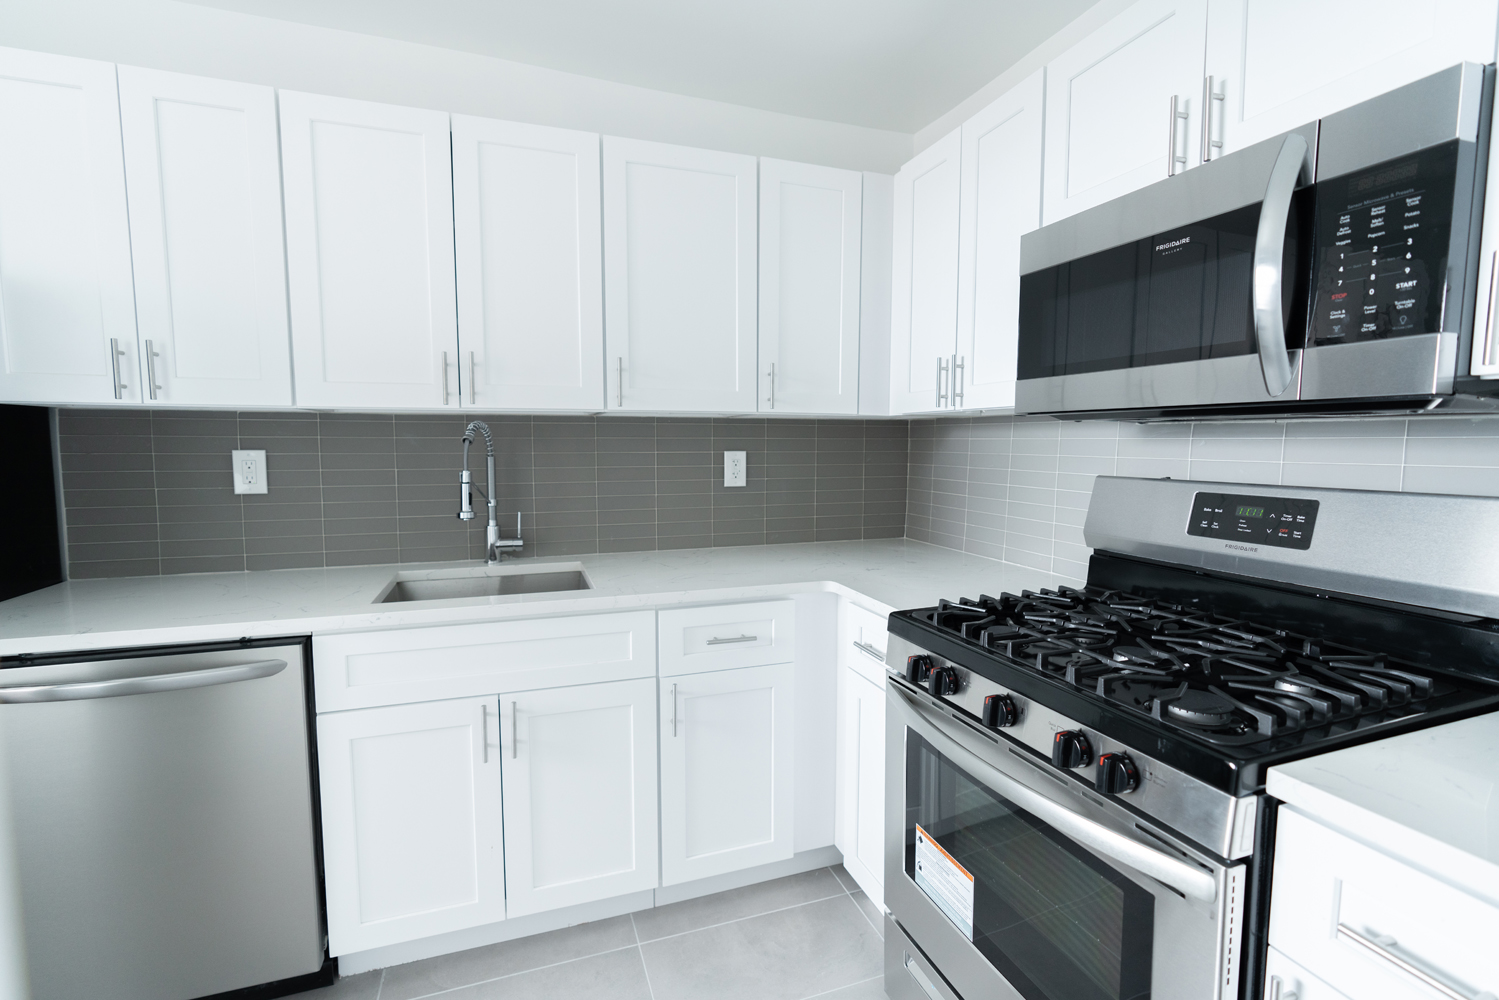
[
  {"x": 835, "y": 989},
  {"x": 641, "y": 951},
  {"x": 512, "y": 975},
  {"x": 748, "y": 916},
  {"x": 380, "y": 986}
]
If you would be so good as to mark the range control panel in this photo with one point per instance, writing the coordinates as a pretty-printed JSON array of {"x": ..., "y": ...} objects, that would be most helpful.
[{"x": 1283, "y": 521}]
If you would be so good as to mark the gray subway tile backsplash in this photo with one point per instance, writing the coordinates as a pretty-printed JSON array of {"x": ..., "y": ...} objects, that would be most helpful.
[{"x": 148, "y": 492}]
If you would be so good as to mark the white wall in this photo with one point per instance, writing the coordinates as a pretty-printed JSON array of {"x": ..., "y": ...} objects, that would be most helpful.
[{"x": 186, "y": 38}]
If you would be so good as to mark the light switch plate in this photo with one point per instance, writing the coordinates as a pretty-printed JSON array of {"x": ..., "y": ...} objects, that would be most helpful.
[
  {"x": 734, "y": 473},
  {"x": 249, "y": 471}
]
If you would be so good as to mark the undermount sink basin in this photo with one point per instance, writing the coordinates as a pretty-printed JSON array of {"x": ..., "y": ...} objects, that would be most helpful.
[{"x": 483, "y": 581}]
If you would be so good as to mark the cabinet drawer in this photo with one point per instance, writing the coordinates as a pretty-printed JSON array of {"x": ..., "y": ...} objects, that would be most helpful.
[
  {"x": 1294, "y": 980},
  {"x": 727, "y": 636},
  {"x": 364, "y": 669},
  {"x": 862, "y": 642},
  {"x": 1372, "y": 926}
]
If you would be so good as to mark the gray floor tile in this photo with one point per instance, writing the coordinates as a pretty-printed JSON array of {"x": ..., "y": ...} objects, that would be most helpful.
[
  {"x": 617, "y": 975},
  {"x": 869, "y": 989},
  {"x": 871, "y": 912},
  {"x": 446, "y": 972},
  {"x": 365, "y": 986},
  {"x": 788, "y": 955},
  {"x": 844, "y": 878},
  {"x": 762, "y": 897}
]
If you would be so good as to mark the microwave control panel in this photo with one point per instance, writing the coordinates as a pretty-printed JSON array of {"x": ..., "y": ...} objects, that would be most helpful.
[
  {"x": 1383, "y": 236},
  {"x": 1286, "y": 522}
]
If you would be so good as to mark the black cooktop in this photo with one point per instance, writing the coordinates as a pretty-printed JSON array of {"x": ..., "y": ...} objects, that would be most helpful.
[{"x": 1218, "y": 696}]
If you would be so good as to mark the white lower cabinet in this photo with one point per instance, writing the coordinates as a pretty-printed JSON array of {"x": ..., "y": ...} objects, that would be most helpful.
[
  {"x": 727, "y": 757},
  {"x": 412, "y": 842},
  {"x": 861, "y": 781},
  {"x": 580, "y": 793}
]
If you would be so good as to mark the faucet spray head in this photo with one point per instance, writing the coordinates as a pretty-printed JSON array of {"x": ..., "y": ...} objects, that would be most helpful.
[{"x": 465, "y": 496}]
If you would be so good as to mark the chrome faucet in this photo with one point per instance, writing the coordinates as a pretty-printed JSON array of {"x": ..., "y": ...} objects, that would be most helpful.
[{"x": 494, "y": 545}]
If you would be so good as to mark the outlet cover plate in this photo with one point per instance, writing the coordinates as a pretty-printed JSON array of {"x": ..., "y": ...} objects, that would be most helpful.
[
  {"x": 734, "y": 472},
  {"x": 249, "y": 471}
]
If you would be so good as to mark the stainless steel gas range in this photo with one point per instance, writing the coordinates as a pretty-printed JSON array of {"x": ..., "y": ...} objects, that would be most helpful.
[{"x": 1075, "y": 777}]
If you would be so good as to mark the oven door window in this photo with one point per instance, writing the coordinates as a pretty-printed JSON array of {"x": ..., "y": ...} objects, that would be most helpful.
[{"x": 1056, "y": 921}]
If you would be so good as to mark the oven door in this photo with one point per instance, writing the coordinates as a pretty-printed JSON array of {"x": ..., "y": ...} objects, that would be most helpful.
[{"x": 1016, "y": 883}]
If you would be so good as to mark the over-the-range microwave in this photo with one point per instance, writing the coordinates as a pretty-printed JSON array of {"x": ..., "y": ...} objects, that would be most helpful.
[{"x": 1332, "y": 269}]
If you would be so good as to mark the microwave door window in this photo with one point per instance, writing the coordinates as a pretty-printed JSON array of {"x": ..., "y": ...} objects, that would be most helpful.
[
  {"x": 1056, "y": 921},
  {"x": 1103, "y": 298}
]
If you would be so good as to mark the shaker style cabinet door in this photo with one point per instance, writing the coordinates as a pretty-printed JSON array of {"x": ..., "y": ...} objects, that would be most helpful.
[
  {"x": 861, "y": 781},
  {"x": 369, "y": 245},
  {"x": 727, "y": 759},
  {"x": 1274, "y": 65},
  {"x": 203, "y": 170},
  {"x": 1001, "y": 200},
  {"x": 679, "y": 278},
  {"x": 810, "y": 227},
  {"x": 412, "y": 840},
  {"x": 580, "y": 793},
  {"x": 530, "y": 275},
  {"x": 1123, "y": 106},
  {"x": 67, "y": 309},
  {"x": 924, "y": 296}
]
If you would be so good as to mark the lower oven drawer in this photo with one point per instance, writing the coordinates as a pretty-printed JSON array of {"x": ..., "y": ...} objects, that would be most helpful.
[
  {"x": 908, "y": 975},
  {"x": 1373, "y": 927}
]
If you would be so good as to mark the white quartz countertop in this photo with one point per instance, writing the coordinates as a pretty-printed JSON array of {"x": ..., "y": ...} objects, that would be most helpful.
[
  {"x": 98, "y": 614},
  {"x": 1430, "y": 798}
]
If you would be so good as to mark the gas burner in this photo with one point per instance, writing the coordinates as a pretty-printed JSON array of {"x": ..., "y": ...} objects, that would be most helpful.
[{"x": 1201, "y": 708}]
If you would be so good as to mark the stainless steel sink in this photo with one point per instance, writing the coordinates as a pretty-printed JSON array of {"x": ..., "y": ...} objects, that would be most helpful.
[{"x": 483, "y": 581}]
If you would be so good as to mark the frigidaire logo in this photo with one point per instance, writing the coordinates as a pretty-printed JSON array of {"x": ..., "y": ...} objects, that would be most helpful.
[
  {"x": 1175, "y": 243},
  {"x": 1241, "y": 548}
]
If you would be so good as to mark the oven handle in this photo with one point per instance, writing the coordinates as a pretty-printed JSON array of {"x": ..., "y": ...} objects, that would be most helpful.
[
  {"x": 1269, "y": 245},
  {"x": 1184, "y": 878}
]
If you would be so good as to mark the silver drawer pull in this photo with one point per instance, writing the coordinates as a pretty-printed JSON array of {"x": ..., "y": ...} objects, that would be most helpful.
[
  {"x": 919, "y": 976},
  {"x": 869, "y": 650},
  {"x": 1277, "y": 994},
  {"x": 1382, "y": 950},
  {"x": 715, "y": 641}
]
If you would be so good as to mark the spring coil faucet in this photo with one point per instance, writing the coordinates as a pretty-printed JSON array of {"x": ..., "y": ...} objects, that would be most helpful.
[{"x": 494, "y": 545}]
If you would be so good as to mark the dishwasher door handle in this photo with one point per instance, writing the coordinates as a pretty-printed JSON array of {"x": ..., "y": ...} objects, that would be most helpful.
[{"x": 147, "y": 684}]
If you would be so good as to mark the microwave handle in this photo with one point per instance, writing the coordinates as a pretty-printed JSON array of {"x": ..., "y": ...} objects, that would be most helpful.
[
  {"x": 1269, "y": 243},
  {"x": 1184, "y": 878}
]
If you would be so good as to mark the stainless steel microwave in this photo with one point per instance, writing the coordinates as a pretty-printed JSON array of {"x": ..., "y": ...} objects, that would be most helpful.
[{"x": 1330, "y": 269}]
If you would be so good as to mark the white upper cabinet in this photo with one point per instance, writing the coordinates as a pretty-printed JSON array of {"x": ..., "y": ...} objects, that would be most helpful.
[
  {"x": 1278, "y": 64},
  {"x": 527, "y": 222},
  {"x": 1110, "y": 126},
  {"x": 810, "y": 223},
  {"x": 580, "y": 794},
  {"x": 1001, "y": 200},
  {"x": 924, "y": 297},
  {"x": 679, "y": 274},
  {"x": 369, "y": 240},
  {"x": 67, "y": 309},
  {"x": 203, "y": 171}
]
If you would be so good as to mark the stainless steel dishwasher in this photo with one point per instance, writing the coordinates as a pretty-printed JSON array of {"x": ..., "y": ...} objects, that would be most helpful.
[{"x": 164, "y": 808}]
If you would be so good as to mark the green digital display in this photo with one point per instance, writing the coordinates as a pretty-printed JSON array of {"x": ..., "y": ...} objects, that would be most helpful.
[{"x": 1250, "y": 512}]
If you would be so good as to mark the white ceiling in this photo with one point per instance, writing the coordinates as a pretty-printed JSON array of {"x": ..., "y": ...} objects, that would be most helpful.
[{"x": 890, "y": 64}]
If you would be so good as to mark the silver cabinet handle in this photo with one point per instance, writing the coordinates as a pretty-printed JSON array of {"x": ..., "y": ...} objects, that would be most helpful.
[
  {"x": 484, "y": 729},
  {"x": 151, "y": 356},
  {"x": 1171, "y": 158},
  {"x": 473, "y": 390},
  {"x": 146, "y": 684},
  {"x": 1186, "y": 879},
  {"x": 1488, "y": 323},
  {"x": 1379, "y": 951},
  {"x": 772, "y": 385},
  {"x": 1209, "y": 95},
  {"x": 444, "y": 378},
  {"x": 716, "y": 641},
  {"x": 514, "y": 734},
  {"x": 941, "y": 371},
  {"x": 673, "y": 711},
  {"x": 870, "y": 651},
  {"x": 621, "y": 382},
  {"x": 959, "y": 376},
  {"x": 1269, "y": 241},
  {"x": 115, "y": 354},
  {"x": 1275, "y": 991}
]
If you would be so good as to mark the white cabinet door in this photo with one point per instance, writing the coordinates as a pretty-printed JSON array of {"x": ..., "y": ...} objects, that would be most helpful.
[
  {"x": 1109, "y": 122},
  {"x": 861, "y": 781},
  {"x": 203, "y": 170},
  {"x": 411, "y": 821},
  {"x": 530, "y": 275},
  {"x": 369, "y": 246},
  {"x": 727, "y": 756},
  {"x": 924, "y": 297},
  {"x": 679, "y": 277},
  {"x": 1278, "y": 64},
  {"x": 66, "y": 301},
  {"x": 580, "y": 794},
  {"x": 1001, "y": 199},
  {"x": 810, "y": 226}
]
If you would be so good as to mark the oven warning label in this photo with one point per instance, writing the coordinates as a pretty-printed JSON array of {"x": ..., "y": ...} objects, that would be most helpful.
[{"x": 946, "y": 883}]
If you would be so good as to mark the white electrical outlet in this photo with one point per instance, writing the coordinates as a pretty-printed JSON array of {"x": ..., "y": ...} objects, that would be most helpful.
[
  {"x": 734, "y": 468},
  {"x": 249, "y": 471}
]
